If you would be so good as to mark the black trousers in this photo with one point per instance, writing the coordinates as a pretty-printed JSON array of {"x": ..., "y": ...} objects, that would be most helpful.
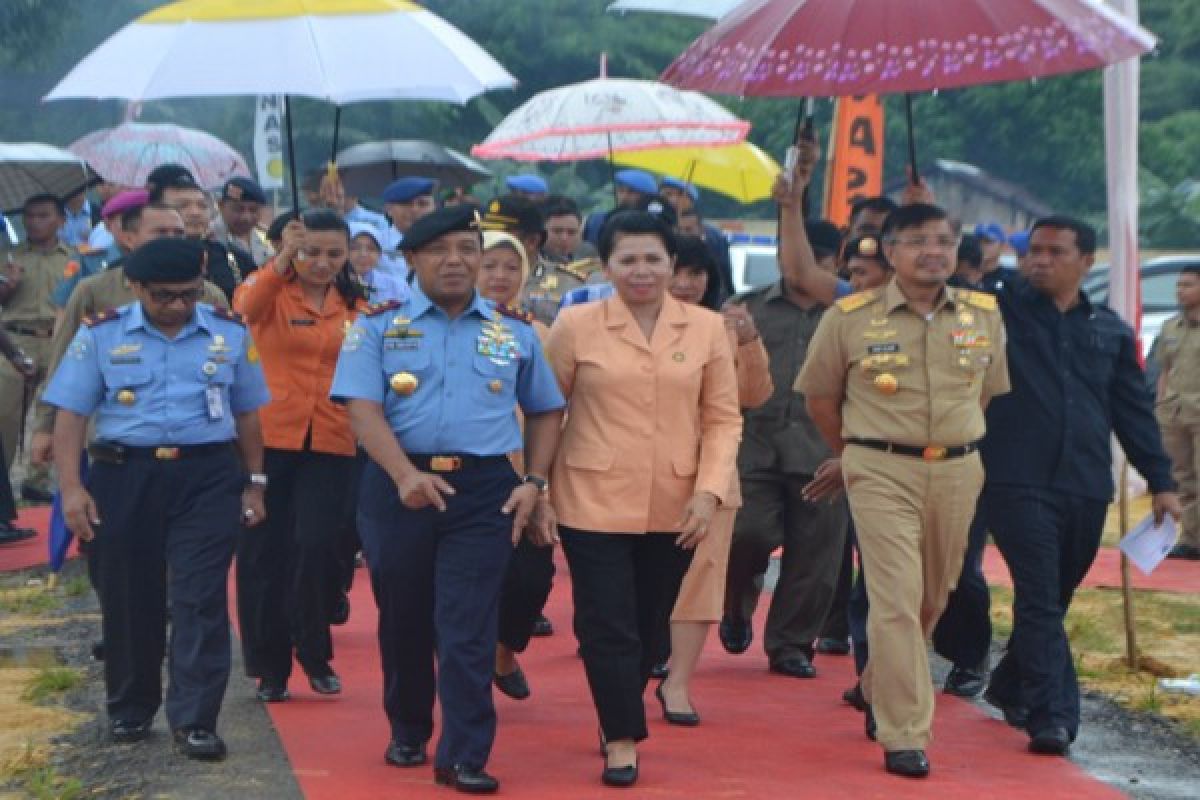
[
  {"x": 287, "y": 568},
  {"x": 168, "y": 528},
  {"x": 349, "y": 542},
  {"x": 1049, "y": 541},
  {"x": 527, "y": 584},
  {"x": 436, "y": 577},
  {"x": 8, "y": 504},
  {"x": 624, "y": 587}
]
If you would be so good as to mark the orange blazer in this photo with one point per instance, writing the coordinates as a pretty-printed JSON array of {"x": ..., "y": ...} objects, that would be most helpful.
[
  {"x": 648, "y": 423},
  {"x": 299, "y": 346}
]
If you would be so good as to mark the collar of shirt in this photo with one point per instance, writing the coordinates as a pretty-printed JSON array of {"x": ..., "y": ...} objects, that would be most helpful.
[
  {"x": 137, "y": 319},
  {"x": 1029, "y": 292},
  {"x": 893, "y": 298},
  {"x": 421, "y": 304},
  {"x": 59, "y": 247}
]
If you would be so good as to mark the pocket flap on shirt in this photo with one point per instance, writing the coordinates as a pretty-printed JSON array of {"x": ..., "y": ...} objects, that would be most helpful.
[
  {"x": 685, "y": 466},
  {"x": 593, "y": 458},
  {"x": 132, "y": 377}
]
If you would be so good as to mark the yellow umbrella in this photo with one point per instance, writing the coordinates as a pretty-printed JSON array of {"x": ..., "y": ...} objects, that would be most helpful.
[{"x": 741, "y": 171}]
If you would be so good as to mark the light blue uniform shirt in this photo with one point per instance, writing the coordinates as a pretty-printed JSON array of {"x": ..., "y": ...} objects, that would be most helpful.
[
  {"x": 392, "y": 261},
  {"x": 78, "y": 227},
  {"x": 147, "y": 390},
  {"x": 383, "y": 287},
  {"x": 587, "y": 294},
  {"x": 472, "y": 372},
  {"x": 91, "y": 264},
  {"x": 100, "y": 238},
  {"x": 365, "y": 216}
]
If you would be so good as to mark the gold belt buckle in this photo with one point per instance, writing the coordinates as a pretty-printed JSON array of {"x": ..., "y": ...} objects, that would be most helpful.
[
  {"x": 166, "y": 453},
  {"x": 934, "y": 453},
  {"x": 445, "y": 463}
]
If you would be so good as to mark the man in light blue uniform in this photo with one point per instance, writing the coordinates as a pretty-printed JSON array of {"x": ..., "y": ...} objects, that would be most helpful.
[
  {"x": 116, "y": 210},
  {"x": 431, "y": 385},
  {"x": 405, "y": 201},
  {"x": 173, "y": 385}
]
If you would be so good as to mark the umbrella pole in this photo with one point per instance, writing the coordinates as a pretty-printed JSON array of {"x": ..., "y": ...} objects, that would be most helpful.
[
  {"x": 612, "y": 169},
  {"x": 291, "y": 146},
  {"x": 337, "y": 126},
  {"x": 804, "y": 131},
  {"x": 912, "y": 141}
]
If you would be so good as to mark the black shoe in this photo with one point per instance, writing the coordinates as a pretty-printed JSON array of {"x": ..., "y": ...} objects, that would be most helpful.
[
  {"x": 10, "y": 534},
  {"x": 125, "y": 731},
  {"x": 869, "y": 723},
  {"x": 1054, "y": 741},
  {"x": 36, "y": 495},
  {"x": 833, "y": 647},
  {"x": 543, "y": 626},
  {"x": 854, "y": 697},
  {"x": 797, "y": 666},
  {"x": 513, "y": 684},
  {"x": 1185, "y": 552},
  {"x": 466, "y": 779},
  {"x": 906, "y": 763},
  {"x": 620, "y": 777},
  {"x": 272, "y": 691},
  {"x": 688, "y": 719},
  {"x": 1015, "y": 715},
  {"x": 325, "y": 684},
  {"x": 405, "y": 755},
  {"x": 735, "y": 634},
  {"x": 341, "y": 610},
  {"x": 98, "y": 650},
  {"x": 200, "y": 744},
  {"x": 659, "y": 671},
  {"x": 965, "y": 682}
]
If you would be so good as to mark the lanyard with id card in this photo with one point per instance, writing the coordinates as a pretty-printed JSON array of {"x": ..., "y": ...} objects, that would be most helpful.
[{"x": 215, "y": 403}]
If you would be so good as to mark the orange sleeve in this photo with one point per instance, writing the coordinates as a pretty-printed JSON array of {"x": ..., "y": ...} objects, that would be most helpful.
[{"x": 256, "y": 298}]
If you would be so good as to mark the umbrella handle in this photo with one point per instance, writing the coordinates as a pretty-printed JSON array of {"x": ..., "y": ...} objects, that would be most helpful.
[
  {"x": 287, "y": 115},
  {"x": 337, "y": 127},
  {"x": 912, "y": 141}
]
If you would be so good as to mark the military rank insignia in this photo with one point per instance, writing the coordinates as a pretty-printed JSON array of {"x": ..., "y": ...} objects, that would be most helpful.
[{"x": 498, "y": 343}]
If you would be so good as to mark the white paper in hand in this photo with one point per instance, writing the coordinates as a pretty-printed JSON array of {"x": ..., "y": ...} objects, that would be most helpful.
[{"x": 1147, "y": 545}]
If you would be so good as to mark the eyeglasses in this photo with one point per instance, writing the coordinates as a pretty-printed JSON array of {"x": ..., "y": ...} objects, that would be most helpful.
[
  {"x": 924, "y": 242},
  {"x": 165, "y": 297}
]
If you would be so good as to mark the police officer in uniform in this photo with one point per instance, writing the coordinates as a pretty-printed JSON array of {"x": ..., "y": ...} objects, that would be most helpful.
[
  {"x": 896, "y": 380},
  {"x": 431, "y": 384},
  {"x": 236, "y": 225},
  {"x": 405, "y": 201},
  {"x": 1178, "y": 406},
  {"x": 174, "y": 385}
]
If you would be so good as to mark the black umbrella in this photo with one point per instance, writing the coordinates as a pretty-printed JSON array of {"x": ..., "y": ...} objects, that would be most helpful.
[{"x": 366, "y": 169}]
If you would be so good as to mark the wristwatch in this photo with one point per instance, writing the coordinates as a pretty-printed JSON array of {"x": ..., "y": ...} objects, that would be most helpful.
[
  {"x": 257, "y": 479},
  {"x": 542, "y": 484}
]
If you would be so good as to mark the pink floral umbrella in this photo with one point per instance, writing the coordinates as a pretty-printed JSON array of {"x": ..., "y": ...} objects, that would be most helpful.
[{"x": 126, "y": 154}]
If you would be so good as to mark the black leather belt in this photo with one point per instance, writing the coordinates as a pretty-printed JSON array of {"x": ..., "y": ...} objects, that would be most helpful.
[
  {"x": 113, "y": 453},
  {"x": 21, "y": 330},
  {"x": 451, "y": 462},
  {"x": 928, "y": 453}
]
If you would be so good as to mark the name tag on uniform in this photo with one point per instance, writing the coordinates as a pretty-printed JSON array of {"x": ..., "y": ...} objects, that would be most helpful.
[
  {"x": 213, "y": 401},
  {"x": 303, "y": 322},
  {"x": 886, "y": 347}
]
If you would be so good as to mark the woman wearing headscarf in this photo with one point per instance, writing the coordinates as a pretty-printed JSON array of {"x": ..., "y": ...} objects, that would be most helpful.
[
  {"x": 366, "y": 250},
  {"x": 298, "y": 307},
  {"x": 647, "y": 456}
]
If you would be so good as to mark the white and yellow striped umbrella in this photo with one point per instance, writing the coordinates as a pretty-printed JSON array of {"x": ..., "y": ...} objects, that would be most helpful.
[{"x": 341, "y": 51}]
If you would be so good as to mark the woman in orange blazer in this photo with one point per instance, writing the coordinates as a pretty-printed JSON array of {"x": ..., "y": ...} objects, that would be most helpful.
[
  {"x": 298, "y": 307},
  {"x": 647, "y": 455}
]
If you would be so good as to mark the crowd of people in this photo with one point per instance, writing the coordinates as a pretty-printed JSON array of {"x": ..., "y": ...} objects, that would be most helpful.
[{"x": 447, "y": 392}]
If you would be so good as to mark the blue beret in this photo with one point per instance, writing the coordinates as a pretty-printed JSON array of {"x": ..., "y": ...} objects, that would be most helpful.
[
  {"x": 1020, "y": 243},
  {"x": 534, "y": 184},
  {"x": 406, "y": 189},
  {"x": 452, "y": 219},
  {"x": 638, "y": 180},
  {"x": 992, "y": 231},
  {"x": 683, "y": 186},
  {"x": 240, "y": 188}
]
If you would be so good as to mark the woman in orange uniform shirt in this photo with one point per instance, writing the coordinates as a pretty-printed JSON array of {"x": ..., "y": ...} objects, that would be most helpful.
[
  {"x": 647, "y": 455},
  {"x": 298, "y": 307}
]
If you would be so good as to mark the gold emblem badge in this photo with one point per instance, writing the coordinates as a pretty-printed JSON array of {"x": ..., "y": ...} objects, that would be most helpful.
[
  {"x": 495, "y": 386},
  {"x": 403, "y": 383},
  {"x": 677, "y": 356},
  {"x": 868, "y": 247},
  {"x": 886, "y": 383},
  {"x": 126, "y": 397}
]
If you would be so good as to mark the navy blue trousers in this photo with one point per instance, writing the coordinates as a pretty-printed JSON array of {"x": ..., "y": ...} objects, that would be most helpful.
[
  {"x": 1049, "y": 541},
  {"x": 436, "y": 577},
  {"x": 168, "y": 528}
]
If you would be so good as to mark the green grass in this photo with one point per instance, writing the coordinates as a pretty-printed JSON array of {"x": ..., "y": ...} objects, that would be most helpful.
[
  {"x": 44, "y": 783},
  {"x": 50, "y": 681},
  {"x": 31, "y": 601},
  {"x": 1088, "y": 634},
  {"x": 1150, "y": 700},
  {"x": 76, "y": 586}
]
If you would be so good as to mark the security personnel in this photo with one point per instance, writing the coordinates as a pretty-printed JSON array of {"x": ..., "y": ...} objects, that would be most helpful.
[
  {"x": 404, "y": 201},
  {"x": 1178, "y": 407},
  {"x": 236, "y": 225},
  {"x": 115, "y": 211},
  {"x": 632, "y": 187},
  {"x": 28, "y": 317},
  {"x": 532, "y": 187},
  {"x": 896, "y": 380},
  {"x": 431, "y": 384},
  {"x": 548, "y": 282},
  {"x": 174, "y": 386}
]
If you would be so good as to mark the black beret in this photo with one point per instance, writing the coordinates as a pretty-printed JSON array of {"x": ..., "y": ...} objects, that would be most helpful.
[
  {"x": 657, "y": 205},
  {"x": 971, "y": 251},
  {"x": 513, "y": 214},
  {"x": 171, "y": 175},
  {"x": 275, "y": 231},
  {"x": 865, "y": 246},
  {"x": 824, "y": 237},
  {"x": 240, "y": 188},
  {"x": 452, "y": 219},
  {"x": 166, "y": 261}
]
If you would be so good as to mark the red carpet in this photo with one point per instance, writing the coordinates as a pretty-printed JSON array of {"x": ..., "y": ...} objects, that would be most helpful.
[
  {"x": 31, "y": 552},
  {"x": 762, "y": 737}
]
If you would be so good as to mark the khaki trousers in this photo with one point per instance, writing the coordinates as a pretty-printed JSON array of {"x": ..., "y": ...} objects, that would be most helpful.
[
  {"x": 12, "y": 394},
  {"x": 1181, "y": 438},
  {"x": 912, "y": 519}
]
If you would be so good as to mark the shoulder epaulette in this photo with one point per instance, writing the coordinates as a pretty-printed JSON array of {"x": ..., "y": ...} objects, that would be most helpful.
[
  {"x": 514, "y": 313},
  {"x": 853, "y": 302},
  {"x": 375, "y": 309},
  {"x": 226, "y": 314},
  {"x": 978, "y": 299},
  {"x": 100, "y": 317},
  {"x": 71, "y": 269},
  {"x": 582, "y": 269}
]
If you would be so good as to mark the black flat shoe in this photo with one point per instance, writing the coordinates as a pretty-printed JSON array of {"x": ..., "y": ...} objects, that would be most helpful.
[
  {"x": 735, "y": 634},
  {"x": 36, "y": 495},
  {"x": 126, "y": 731},
  {"x": 797, "y": 666},
  {"x": 660, "y": 671},
  {"x": 466, "y": 779},
  {"x": 543, "y": 626},
  {"x": 833, "y": 647},
  {"x": 405, "y": 755},
  {"x": 620, "y": 777},
  {"x": 11, "y": 533},
  {"x": 906, "y": 763},
  {"x": 1050, "y": 742},
  {"x": 1185, "y": 552},
  {"x": 965, "y": 682},
  {"x": 272, "y": 691},
  {"x": 1016, "y": 716},
  {"x": 513, "y": 684},
  {"x": 326, "y": 684},
  {"x": 688, "y": 719},
  {"x": 854, "y": 697},
  {"x": 200, "y": 744}
]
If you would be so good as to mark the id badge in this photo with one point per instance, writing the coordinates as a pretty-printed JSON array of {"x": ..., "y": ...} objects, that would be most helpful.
[{"x": 216, "y": 406}]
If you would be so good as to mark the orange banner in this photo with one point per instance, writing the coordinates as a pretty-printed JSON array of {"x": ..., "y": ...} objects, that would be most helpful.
[{"x": 855, "y": 166}]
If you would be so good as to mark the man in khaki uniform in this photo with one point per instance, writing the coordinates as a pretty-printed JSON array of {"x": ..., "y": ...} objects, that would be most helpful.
[
  {"x": 1178, "y": 407},
  {"x": 236, "y": 225},
  {"x": 897, "y": 379},
  {"x": 28, "y": 318}
]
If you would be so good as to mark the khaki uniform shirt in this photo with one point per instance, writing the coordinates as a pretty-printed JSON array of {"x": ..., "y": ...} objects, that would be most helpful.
[
  {"x": 905, "y": 378},
  {"x": 779, "y": 435},
  {"x": 30, "y": 305},
  {"x": 258, "y": 247},
  {"x": 548, "y": 282},
  {"x": 1179, "y": 355}
]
